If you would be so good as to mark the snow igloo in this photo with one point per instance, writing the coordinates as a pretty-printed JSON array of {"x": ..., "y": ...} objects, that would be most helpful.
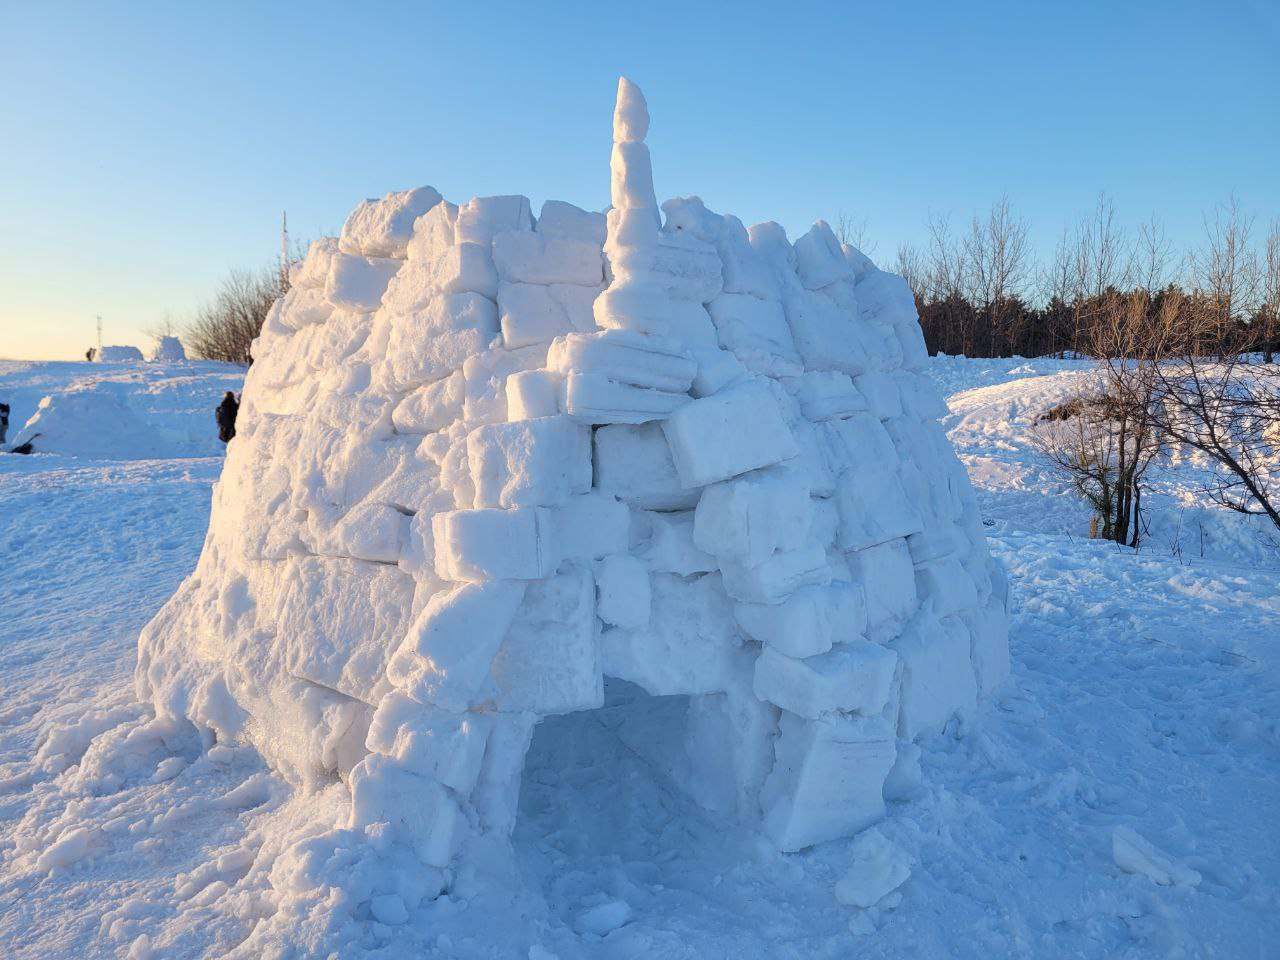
[{"x": 485, "y": 461}]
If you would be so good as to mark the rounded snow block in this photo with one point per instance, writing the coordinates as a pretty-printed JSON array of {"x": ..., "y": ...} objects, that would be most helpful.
[
  {"x": 819, "y": 259},
  {"x": 741, "y": 428},
  {"x": 630, "y": 113},
  {"x": 383, "y": 228},
  {"x": 420, "y": 811}
]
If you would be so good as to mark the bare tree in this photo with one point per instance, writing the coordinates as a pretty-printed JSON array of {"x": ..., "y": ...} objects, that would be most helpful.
[
  {"x": 853, "y": 233},
  {"x": 1267, "y": 317},
  {"x": 1225, "y": 271},
  {"x": 226, "y": 328}
]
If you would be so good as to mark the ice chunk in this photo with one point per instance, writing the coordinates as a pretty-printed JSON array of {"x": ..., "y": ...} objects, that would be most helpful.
[
  {"x": 855, "y": 677},
  {"x": 447, "y": 747},
  {"x": 382, "y": 228},
  {"x": 481, "y": 220},
  {"x": 622, "y": 591},
  {"x": 524, "y": 257},
  {"x": 495, "y": 544},
  {"x": 827, "y": 779},
  {"x": 530, "y": 463},
  {"x": 809, "y": 621},
  {"x": 634, "y": 464},
  {"x": 567, "y": 222},
  {"x": 549, "y": 662},
  {"x": 718, "y": 437},
  {"x": 878, "y": 869},
  {"x": 448, "y": 649},
  {"x": 937, "y": 675},
  {"x": 747, "y": 519},
  {"x": 357, "y": 283}
]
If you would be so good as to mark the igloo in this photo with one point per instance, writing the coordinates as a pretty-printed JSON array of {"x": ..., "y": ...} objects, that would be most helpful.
[{"x": 484, "y": 461}]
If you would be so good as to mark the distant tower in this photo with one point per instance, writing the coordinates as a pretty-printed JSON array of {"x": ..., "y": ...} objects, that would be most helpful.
[
  {"x": 99, "y": 334},
  {"x": 284, "y": 249}
]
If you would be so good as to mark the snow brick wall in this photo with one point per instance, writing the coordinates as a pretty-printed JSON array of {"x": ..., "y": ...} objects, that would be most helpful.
[{"x": 484, "y": 461}]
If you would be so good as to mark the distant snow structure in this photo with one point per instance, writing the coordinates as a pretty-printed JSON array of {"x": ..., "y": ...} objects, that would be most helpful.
[
  {"x": 167, "y": 349},
  {"x": 117, "y": 354},
  {"x": 485, "y": 462}
]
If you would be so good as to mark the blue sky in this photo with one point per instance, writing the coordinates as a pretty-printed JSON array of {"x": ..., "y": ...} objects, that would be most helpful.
[{"x": 149, "y": 147}]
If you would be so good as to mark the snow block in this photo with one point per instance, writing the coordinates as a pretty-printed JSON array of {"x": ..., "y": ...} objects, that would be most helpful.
[
  {"x": 851, "y": 678},
  {"x": 523, "y": 257},
  {"x": 625, "y": 357},
  {"x": 819, "y": 259},
  {"x": 383, "y": 228},
  {"x": 446, "y": 747},
  {"x": 827, "y": 779},
  {"x": 431, "y": 343},
  {"x": 937, "y": 675},
  {"x": 889, "y": 589},
  {"x": 566, "y": 222},
  {"x": 531, "y": 463},
  {"x": 808, "y": 622},
  {"x": 590, "y": 398},
  {"x": 634, "y": 464},
  {"x": 532, "y": 394},
  {"x": 448, "y": 649},
  {"x": 778, "y": 577},
  {"x": 419, "y": 811},
  {"x": 433, "y": 232},
  {"x": 756, "y": 332},
  {"x": 358, "y": 283},
  {"x": 591, "y": 526},
  {"x": 535, "y": 314},
  {"x": 946, "y": 587},
  {"x": 549, "y": 662},
  {"x": 340, "y": 619},
  {"x": 682, "y": 267},
  {"x": 737, "y": 430},
  {"x": 430, "y": 408},
  {"x": 481, "y": 220},
  {"x": 622, "y": 591},
  {"x": 747, "y": 519},
  {"x": 665, "y": 542},
  {"x": 515, "y": 544}
]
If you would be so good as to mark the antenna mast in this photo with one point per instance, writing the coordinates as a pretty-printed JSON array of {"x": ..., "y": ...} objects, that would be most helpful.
[
  {"x": 99, "y": 334},
  {"x": 284, "y": 249}
]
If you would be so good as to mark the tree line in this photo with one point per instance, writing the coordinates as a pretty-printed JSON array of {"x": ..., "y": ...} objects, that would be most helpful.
[{"x": 982, "y": 292}]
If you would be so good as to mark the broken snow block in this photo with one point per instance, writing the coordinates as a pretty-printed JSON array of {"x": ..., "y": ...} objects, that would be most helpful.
[
  {"x": 689, "y": 645},
  {"x": 550, "y": 661},
  {"x": 666, "y": 544},
  {"x": 516, "y": 544},
  {"x": 746, "y": 519},
  {"x": 888, "y": 582},
  {"x": 358, "y": 283},
  {"x": 383, "y": 228},
  {"x": 819, "y": 259},
  {"x": 778, "y": 577},
  {"x": 419, "y": 810},
  {"x": 851, "y": 678},
  {"x": 625, "y": 357},
  {"x": 589, "y": 398},
  {"x": 592, "y": 525},
  {"x": 809, "y": 621},
  {"x": 633, "y": 462},
  {"x": 446, "y": 653},
  {"x": 740, "y": 428},
  {"x": 525, "y": 257},
  {"x": 445, "y": 746},
  {"x": 937, "y": 675},
  {"x": 827, "y": 779},
  {"x": 433, "y": 232},
  {"x": 531, "y": 463},
  {"x": 947, "y": 587},
  {"x": 622, "y": 591},
  {"x": 340, "y": 620}
]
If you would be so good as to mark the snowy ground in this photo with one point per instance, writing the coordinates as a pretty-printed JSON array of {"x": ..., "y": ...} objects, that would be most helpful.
[{"x": 1144, "y": 710}]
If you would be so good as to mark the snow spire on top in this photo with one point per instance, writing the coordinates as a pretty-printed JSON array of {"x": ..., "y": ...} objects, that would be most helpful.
[{"x": 631, "y": 114}]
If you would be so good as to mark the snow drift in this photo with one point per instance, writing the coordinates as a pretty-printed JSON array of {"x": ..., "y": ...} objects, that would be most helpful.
[{"x": 485, "y": 461}]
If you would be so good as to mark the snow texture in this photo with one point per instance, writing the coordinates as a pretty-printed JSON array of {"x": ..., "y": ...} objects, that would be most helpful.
[{"x": 395, "y": 589}]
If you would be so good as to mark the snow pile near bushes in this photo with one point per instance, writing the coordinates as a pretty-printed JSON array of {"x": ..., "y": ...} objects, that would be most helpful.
[{"x": 484, "y": 462}]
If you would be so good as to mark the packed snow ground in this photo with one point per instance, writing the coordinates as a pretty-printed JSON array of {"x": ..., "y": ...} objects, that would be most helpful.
[{"x": 1120, "y": 800}]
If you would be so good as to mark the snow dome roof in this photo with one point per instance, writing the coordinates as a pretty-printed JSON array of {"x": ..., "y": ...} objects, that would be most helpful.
[{"x": 484, "y": 461}]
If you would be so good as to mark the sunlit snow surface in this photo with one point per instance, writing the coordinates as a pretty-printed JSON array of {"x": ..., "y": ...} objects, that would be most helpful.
[{"x": 1120, "y": 800}]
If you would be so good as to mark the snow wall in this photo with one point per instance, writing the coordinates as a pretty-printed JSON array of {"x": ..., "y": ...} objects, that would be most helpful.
[{"x": 484, "y": 461}]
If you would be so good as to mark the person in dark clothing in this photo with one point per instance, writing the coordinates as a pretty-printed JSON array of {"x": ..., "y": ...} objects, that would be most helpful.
[
  {"x": 226, "y": 414},
  {"x": 4, "y": 421}
]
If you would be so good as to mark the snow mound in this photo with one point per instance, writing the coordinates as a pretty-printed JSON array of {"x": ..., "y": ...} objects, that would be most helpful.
[
  {"x": 484, "y": 462},
  {"x": 117, "y": 354},
  {"x": 127, "y": 412},
  {"x": 167, "y": 350}
]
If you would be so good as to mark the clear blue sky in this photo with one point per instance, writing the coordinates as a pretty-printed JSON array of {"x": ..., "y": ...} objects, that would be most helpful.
[{"x": 145, "y": 148}]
